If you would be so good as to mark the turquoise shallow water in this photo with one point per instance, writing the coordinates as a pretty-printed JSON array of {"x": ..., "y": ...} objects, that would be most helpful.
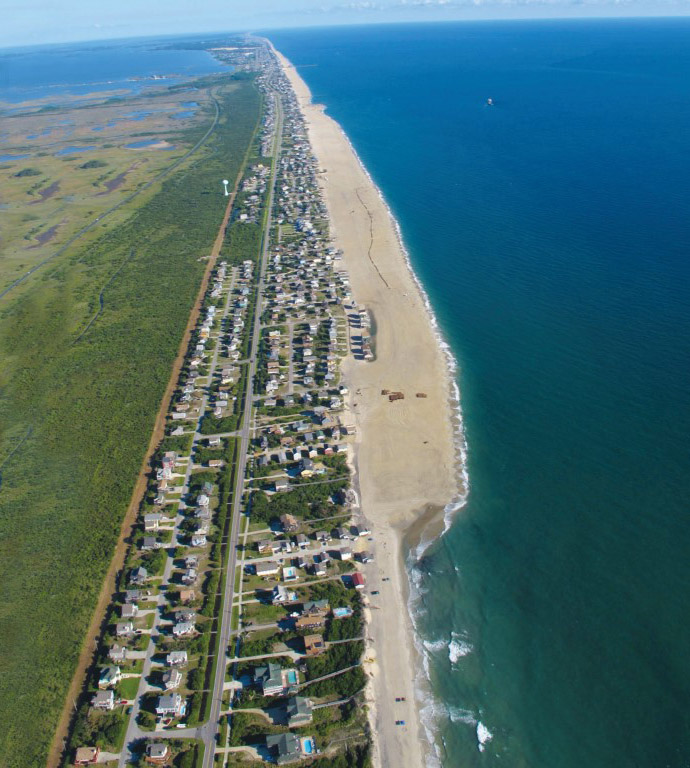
[{"x": 551, "y": 232}]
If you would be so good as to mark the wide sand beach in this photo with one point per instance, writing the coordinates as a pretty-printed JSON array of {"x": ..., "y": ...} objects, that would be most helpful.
[{"x": 405, "y": 455}]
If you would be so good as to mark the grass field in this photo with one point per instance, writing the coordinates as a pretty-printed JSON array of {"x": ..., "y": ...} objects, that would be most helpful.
[
  {"x": 48, "y": 196},
  {"x": 87, "y": 347}
]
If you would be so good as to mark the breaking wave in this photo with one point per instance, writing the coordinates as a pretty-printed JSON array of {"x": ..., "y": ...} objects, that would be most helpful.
[
  {"x": 484, "y": 736},
  {"x": 457, "y": 648}
]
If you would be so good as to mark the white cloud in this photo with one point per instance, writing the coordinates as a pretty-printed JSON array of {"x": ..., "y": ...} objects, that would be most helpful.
[{"x": 396, "y": 5}]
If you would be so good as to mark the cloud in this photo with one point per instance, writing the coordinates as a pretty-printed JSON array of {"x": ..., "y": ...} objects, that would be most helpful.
[
  {"x": 398, "y": 5},
  {"x": 42, "y": 21},
  {"x": 382, "y": 7},
  {"x": 363, "y": 6}
]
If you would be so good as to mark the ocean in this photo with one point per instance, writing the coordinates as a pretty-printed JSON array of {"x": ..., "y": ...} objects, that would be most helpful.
[{"x": 551, "y": 233}]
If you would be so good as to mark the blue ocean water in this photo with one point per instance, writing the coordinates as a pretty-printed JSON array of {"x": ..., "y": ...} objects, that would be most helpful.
[
  {"x": 48, "y": 71},
  {"x": 551, "y": 232}
]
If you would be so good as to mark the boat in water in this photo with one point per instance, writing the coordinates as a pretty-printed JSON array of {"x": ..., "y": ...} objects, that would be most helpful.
[{"x": 489, "y": 102}]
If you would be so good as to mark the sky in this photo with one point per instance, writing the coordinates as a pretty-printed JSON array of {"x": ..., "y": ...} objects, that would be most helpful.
[{"x": 32, "y": 22}]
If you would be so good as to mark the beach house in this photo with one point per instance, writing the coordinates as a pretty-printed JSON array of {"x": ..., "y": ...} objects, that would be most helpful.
[
  {"x": 109, "y": 677},
  {"x": 170, "y": 704},
  {"x": 157, "y": 752},
  {"x": 357, "y": 580},
  {"x": 298, "y": 711},
  {"x": 104, "y": 700},
  {"x": 86, "y": 755},
  {"x": 284, "y": 747},
  {"x": 313, "y": 644},
  {"x": 269, "y": 568}
]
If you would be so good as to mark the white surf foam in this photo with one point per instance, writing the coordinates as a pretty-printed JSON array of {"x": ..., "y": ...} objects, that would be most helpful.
[
  {"x": 452, "y": 368},
  {"x": 459, "y": 715},
  {"x": 434, "y": 646},
  {"x": 484, "y": 736},
  {"x": 458, "y": 648},
  {"x": 431, "y": 711}
]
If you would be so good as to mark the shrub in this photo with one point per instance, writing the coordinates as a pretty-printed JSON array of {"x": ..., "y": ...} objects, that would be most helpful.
[{"x": 27, "y": 172}]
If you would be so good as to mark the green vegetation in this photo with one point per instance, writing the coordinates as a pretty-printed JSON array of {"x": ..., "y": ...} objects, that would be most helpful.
[
  {"x": 345, "y": 722},
  {"x": 80, "y": 414},
  {"x": 309, "y": 502},
  {"x": 260, "y": 643},
  {"x": 242, "y": 241},
  {"x": 93, "y": 164},
  {"x": 188, "y": 758},
  {"x": 127, "y": 689},
  {"x": 262, "y": 613},
  {"x": 335, "y": 658},
  {"x": 356, "y": 757},
  {"x": 344, "y": 629},
  {"x": 223, "y": 731},
  {"x": 248, "y": 728},
  {"x": 180, "y": 444},
  {"x": 27, "y": 172},
  {"x": 347, "y": 684},
  {"x": 99, "y": 729}
]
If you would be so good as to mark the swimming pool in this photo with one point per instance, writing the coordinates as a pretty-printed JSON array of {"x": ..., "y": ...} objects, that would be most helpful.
[
  {"x": 291, "y": 676},
  {"x": 308, "y": 746}
]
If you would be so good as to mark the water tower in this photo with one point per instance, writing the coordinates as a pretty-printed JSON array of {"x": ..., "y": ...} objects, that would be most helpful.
[{"x": 225, "y": 187}]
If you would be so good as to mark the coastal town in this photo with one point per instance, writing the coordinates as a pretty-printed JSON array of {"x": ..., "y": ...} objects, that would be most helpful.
[
  {"x": 237, "y": 632},
  {"x": 317, "y": 319}
]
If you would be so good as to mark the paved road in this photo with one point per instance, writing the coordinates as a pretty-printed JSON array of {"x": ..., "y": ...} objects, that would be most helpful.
[
  {"x": 207, "y": 732},
  {"x": 291, "y": 358},
  {"x": 308, "y": 551},
  {"x": 228, "y": 598},
  {"x": 134, "y": 732}
]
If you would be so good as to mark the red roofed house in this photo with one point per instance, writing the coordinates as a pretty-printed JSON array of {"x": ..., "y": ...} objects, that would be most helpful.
[{"x": 357, "y": 580}]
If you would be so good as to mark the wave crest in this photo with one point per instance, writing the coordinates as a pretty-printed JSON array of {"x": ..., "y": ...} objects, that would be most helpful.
[
  {"x": 484, "y": 736},
  {"x": 457, "y": 648}
]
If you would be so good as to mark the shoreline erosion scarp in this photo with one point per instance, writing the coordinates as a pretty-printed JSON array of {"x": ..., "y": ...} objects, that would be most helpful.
[{"x": 410, "y": 454}]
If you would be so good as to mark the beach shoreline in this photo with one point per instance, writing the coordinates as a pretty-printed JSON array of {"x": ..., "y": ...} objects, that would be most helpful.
[{"x": 409, "y": 454}]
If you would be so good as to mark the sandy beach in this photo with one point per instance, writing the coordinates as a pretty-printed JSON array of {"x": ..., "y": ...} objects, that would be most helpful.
[{"x": 405, "y": 457}]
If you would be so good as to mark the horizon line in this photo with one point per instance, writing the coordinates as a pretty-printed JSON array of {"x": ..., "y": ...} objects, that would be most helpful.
[{"x": 265, "y": 30}]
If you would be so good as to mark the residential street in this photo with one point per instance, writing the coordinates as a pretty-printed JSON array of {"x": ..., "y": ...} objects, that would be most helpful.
[{"x": 209, "y": 737}]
